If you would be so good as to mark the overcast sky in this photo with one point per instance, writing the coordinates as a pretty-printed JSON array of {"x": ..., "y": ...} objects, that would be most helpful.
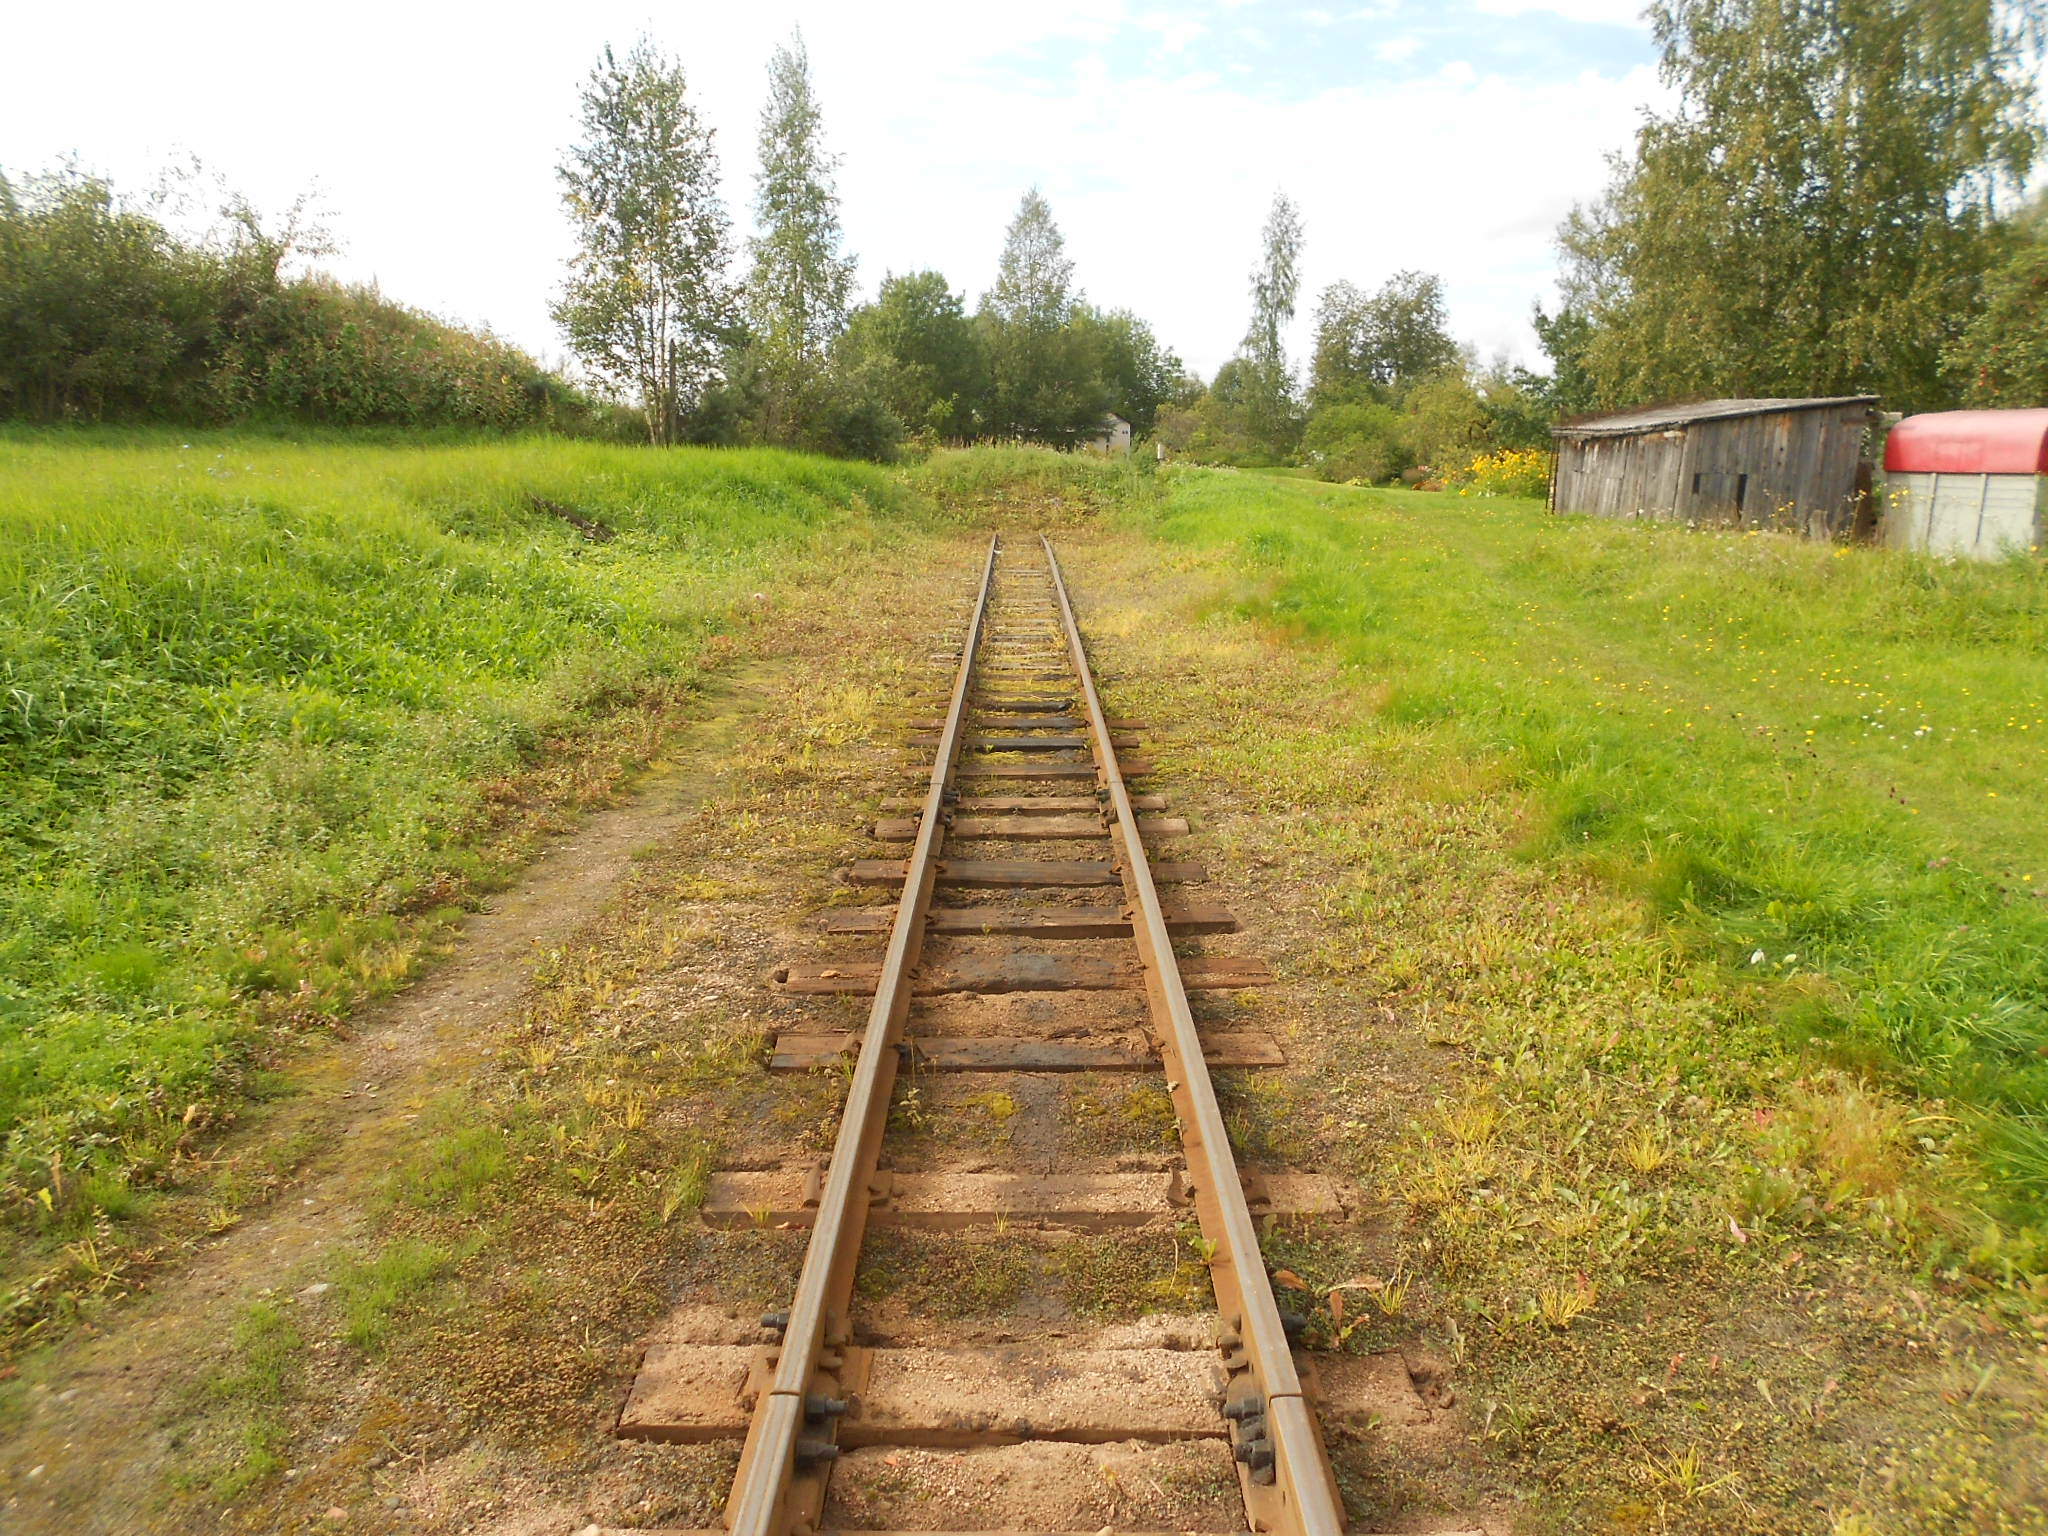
[{"x": 1449, "y": 135}]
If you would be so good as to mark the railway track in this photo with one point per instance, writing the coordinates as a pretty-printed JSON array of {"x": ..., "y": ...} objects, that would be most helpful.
[{"x": 1033, "y": 938}]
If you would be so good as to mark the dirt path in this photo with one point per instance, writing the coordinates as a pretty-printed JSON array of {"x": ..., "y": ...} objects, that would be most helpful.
[{"x": 94, "y": 1451}]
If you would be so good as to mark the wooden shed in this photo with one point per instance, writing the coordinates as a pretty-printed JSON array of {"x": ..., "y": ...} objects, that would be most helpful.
[
  {"x": 1798, "y": 464},
  {"x": 1967, "y": 482}
]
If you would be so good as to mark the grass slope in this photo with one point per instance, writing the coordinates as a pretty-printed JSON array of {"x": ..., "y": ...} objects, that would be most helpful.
[
  {"x": 1823, "y": 766},
  {"x": 262, "y": 705}
]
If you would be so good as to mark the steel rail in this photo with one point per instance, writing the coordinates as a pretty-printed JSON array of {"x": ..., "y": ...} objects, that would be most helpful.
[
  {"x": 1302, "y": 1499},
  {"x": 768, "y": 1468}
]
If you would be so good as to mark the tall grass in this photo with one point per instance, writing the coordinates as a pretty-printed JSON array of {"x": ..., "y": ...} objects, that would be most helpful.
[
  {"x": 1824, "y": 766},
  {"x": 990, "y": 477},
  {"x": 256, "y": 700}
]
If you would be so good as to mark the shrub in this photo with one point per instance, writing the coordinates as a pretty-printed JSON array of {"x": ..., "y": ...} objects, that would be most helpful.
[
  {"x": 1510, "y": 472},
  {"x": 1362, "y": 442},
  {"x": 106, "y": 315}
]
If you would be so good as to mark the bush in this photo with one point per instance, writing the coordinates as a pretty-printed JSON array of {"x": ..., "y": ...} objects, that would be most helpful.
[
  {"x": 854, "y": 425},
  {"x": 316, "y": 351},
  {"x": 1446, "y": 421},
  {"x": 999, "y": 473},
  {"x": 1362, "y": 442},
  {"x": 1510, "y": 472},
  {"x": 106, "y": 315}
]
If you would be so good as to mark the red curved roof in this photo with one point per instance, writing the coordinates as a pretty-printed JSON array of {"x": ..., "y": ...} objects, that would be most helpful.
[{"x": 1969, "y": 443}]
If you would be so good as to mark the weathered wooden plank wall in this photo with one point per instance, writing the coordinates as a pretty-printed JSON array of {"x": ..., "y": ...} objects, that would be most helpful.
[{"x": 1792, "y": 469}]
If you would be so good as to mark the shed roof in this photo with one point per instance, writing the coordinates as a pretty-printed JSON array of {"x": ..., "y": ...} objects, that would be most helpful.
[
  {"x": 1969, "y": 443},
  {"x": 1654, "y": 417}
]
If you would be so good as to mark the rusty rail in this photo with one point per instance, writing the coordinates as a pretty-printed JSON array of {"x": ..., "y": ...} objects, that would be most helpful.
[
  {"x": 778, "y": 1488},
  {"x": 1283, "y": 1468}
]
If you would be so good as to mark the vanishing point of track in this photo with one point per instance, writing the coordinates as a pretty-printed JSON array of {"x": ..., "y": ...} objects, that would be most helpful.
[{"x": 1024, "y": 754}]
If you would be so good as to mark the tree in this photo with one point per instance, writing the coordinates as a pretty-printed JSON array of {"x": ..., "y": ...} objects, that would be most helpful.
[
  {"x": 1269, "y": 386},
  {"x": 1215, "y": 426},
  {"x": 646, "y": 303},
  {"x": 1569, "y": 389},
  {"x": 2001, "y": 357},
  {"x": 1136, "y": 372},
  {"x": 1518, "y": 406},
  {"x": 918, "y": 352},
  {"x": 1446, "y": 421},
  {"x": 1375, "y": 347},
  {"x": 1034, "y": 276},
  {"x": 797, "y": 292},
  {"x": 1813, "y": 216},
  {"x": 1041, "y": 384}
]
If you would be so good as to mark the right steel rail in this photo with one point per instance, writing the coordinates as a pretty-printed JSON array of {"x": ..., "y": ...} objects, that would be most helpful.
[{"x": 1283, "y": 1468}]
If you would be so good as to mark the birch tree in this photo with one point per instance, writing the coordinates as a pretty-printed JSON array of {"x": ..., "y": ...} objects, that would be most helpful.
[
  {"x": 646, "y": 303},
  {"x": 1040, "y": 382},
  {"x": 801, "y": 280},
  {"x": 1269, "y": 384}
]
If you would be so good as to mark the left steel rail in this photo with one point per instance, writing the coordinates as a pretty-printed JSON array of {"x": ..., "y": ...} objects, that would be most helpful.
[{"x": 780, "y": 1485}]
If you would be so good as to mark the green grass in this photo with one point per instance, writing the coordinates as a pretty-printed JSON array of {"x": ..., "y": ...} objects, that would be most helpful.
[
  {"x": 246, "y": 1397},
  {"x": 1041, "y": 478},
  {"x": 260, "y": 702},
  {"x": 1822, "y": 768},
  {"x": 376, "y": 1294}
]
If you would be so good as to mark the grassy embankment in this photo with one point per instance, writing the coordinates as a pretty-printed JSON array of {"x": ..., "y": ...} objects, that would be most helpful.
[
  {"x": 1822, "y": 770},
  {"x": 271, "y": 714}
]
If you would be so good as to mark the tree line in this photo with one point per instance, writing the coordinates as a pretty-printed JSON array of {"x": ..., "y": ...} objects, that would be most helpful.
[
  {"x": 1831, "y": 206},
  {"x": 784, "y": 354},
  {"x": 1387, "y": 391},
  {"x": 108, "y": 314}
]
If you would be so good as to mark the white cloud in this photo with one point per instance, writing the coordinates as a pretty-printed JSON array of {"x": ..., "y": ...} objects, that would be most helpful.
[
  {"x": 434, "y": 132},
  {"x": 1397, "y": 49},
  {"x": 1617, "y": 13},
  {"x": 1175, "y": 30}
]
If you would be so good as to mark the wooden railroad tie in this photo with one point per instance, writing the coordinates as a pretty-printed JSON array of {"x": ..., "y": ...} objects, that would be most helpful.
[
  {"x": 1135, "y": 768},
  {"x": 1026, "y": 743},
  {"x": 991, "y": 974},
  {"x": 954, "y": 1202},
  {"x": 998, "y": 874},
  {"x": 691, "y": 1392},
  {"x": 903, "y": 829},
  {"x": 1033, "y": 722},
  {"x": 1024, "y": 805},
  {"x": 1038, "y": 922},
  {"x": 1008, "y": 1053}
]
